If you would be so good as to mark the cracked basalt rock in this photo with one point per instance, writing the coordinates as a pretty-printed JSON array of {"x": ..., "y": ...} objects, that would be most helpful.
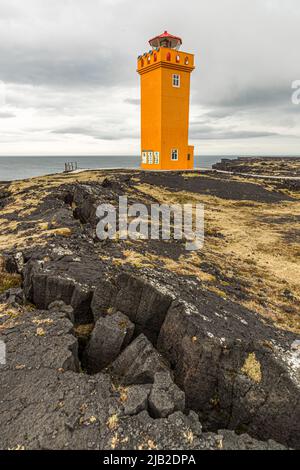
[
  {"x": 145, "y": 305},
  {"x": 235, "y": 368},
  {"x": 54, "y": 410},
  {"x": 103, "y": 298},
  {"x": 13, "y": 296},
  {"x": 64, "y": 280},
  {"x": 43, "y": 407},
  {"x": 110, "y": 336},
  {"x": 165, "y": 397},
  {"x": 85, "y": 202},
  {"x": 136, "y": 399},
  {"x": 138, "y": 363}
]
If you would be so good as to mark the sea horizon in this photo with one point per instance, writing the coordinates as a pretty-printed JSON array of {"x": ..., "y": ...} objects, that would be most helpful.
[{"x": 22, "y": 167}]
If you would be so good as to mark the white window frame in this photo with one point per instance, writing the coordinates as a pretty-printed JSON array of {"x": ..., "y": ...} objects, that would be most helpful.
[
  {"x": 156, "y": 158},
  {"x": 176, "y": 80},
  {"x": 144, "y": 157},
  {"x": 173, "y": 151},
  {"x": 150, "y": 158}
]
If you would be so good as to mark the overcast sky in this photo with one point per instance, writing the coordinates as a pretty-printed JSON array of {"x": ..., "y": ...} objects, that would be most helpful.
[{"x": 70, "y": 87}]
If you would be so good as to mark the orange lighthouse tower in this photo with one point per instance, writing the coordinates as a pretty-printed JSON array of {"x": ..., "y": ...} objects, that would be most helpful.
[{"x": 165, "y": 97}]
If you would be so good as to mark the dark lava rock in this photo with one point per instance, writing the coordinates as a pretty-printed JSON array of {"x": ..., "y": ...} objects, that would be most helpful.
[
  {"x": 146, "y": 305},
  {"x": 107, "y": 183},
  {"x": 14, "y": 263},
  {"x": 54, "y": 410},
  {"x": 39, "y": 339},
  {"x": 110, "y": 336},
  {"x": 232, "y": 441},
  {"x": 235, "y": 368},
  {"x": 86, "y": 204},
  {"x": 13, "y": 296},
  {"x": 225, "y": 189},
  {"x": 177, "y": 432},
  {"x": 138, "y": 363},
  {"x": 4, "y": 195},
  {"x": 165, "y": 396},
  {"x": 60, "y": 306},
  {"x": 42, "y": 286}
]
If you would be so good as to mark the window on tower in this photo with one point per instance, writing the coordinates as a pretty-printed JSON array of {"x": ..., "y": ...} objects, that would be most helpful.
[
  {"x": 176, "y": 80},
  {"x": 150, "y": 158},
  {"x": 174, "y": 154}
]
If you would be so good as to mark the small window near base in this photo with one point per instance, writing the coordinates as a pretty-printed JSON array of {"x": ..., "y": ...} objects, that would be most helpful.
[
  {"x": 150, "y": 158},
  {"x": 189, "y": 157},
  {"x": 144, "y": 157},
  {"x": 174, "y": 154},
  {"x": 156, "y": 158}
]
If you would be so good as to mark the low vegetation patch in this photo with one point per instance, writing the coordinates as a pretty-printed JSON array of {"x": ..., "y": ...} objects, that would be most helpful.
[{"x": 8, "y": 281}]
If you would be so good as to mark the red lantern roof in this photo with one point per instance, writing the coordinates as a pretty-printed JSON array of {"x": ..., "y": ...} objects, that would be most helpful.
[{"x": 166, "y": 40}]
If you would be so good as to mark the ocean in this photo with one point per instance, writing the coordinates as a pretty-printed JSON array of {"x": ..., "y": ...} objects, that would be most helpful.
[{"x": 13, "y": 168}]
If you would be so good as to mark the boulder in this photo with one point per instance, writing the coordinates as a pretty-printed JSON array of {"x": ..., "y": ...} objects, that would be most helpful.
[
  {"x": 145, "y": 304},
  {"x": 110, "y": 336},
  {"x": 13, "y": 296},
  {"x": 165, "y": 396},
  {"x": 138, "y": 363},
  {"x": 103, "y": 298}
]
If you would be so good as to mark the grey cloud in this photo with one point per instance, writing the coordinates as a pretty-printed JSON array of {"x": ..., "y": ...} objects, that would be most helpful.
[
  {"x": 6, "y": 115},
  {"x": 211, "y": 133}
]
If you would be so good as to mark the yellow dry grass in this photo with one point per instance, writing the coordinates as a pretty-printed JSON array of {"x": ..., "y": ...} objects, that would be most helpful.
[
  {"x": 252, "y": 250},
  {"x": 7, "y": 281}
]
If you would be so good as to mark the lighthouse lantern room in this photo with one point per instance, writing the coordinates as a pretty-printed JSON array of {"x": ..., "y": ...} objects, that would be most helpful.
[{"x": 165, "y": 95}]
